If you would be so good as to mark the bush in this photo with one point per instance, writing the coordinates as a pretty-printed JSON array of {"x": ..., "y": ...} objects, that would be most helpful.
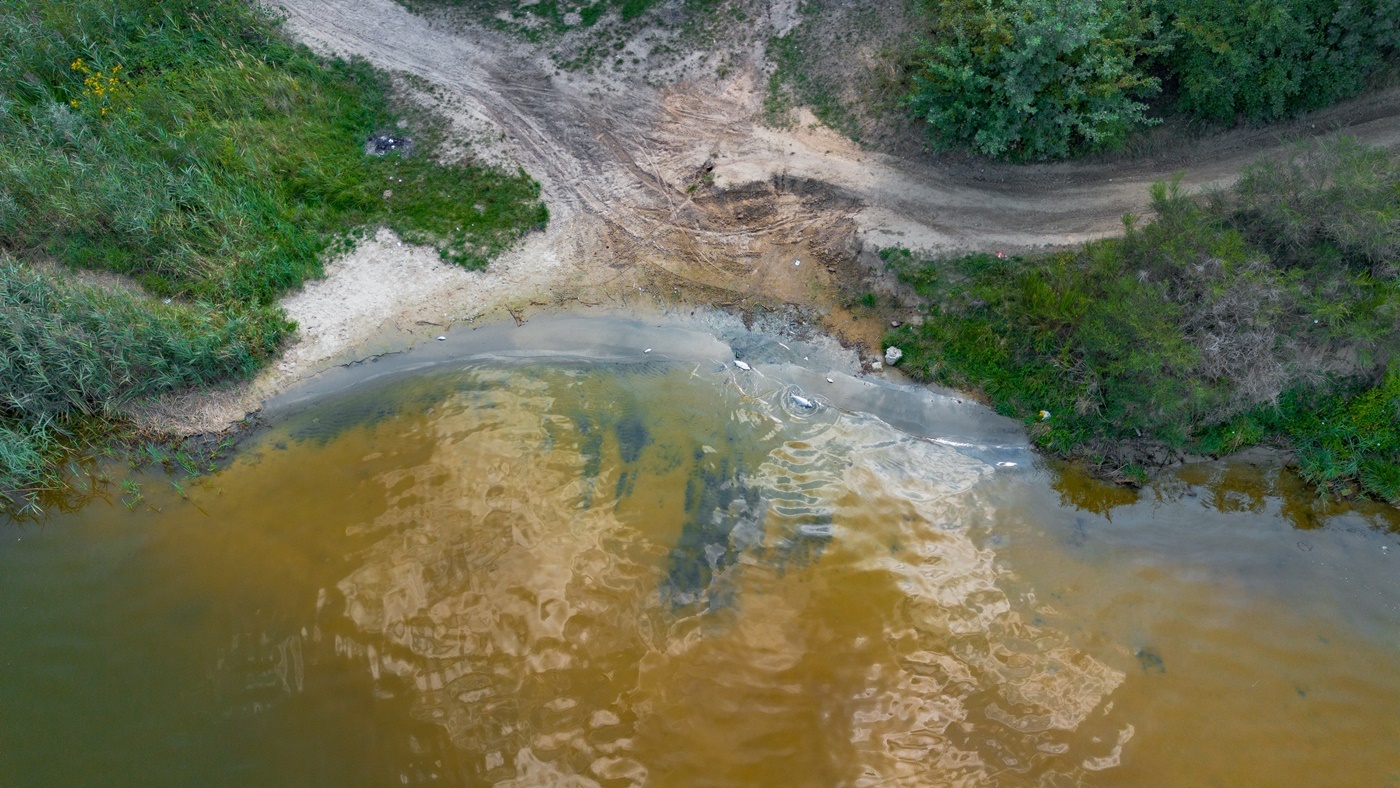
[
  {"x": 191, "y": 147},
  {"x": 1327, "y": 205},
  {"x": 1266, "y": 59},
  {"x": 1037, "y": 79},
  {"x": 70, "y": 352},
  {"x": 1034, "y": 79},
  {"x": 1187, "y": 332}
]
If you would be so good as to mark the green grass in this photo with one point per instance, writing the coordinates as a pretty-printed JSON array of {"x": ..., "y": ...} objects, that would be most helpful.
[
  {"x": 793, "y": 83},
  {"x": 846, "y": 63},
  {"x": 191, "y": 147},
  {"x": 1269, "y": 314}
]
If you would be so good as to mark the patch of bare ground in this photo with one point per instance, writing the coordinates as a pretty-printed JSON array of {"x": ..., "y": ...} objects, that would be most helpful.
[{"x": 680, "y": 196}]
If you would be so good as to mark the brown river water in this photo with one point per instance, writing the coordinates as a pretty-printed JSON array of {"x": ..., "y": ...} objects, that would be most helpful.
[{"x": 553, "y": 558}]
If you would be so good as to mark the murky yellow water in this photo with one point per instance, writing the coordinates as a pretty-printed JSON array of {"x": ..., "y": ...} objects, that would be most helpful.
[{"x": 566, "y": 574}]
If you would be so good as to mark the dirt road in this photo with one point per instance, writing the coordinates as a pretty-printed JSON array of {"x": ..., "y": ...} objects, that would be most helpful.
[{"x": 620, "y": 149}]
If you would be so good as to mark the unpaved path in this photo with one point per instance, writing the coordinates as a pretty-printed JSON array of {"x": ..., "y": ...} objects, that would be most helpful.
[
  {"x": 614, "y": 151},
  {"x": 681, "y": 196}
]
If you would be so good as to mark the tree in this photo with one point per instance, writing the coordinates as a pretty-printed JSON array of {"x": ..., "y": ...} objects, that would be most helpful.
[
  {"x": 1035, "y": 79},
  {"x": 1265, "y": 59}
]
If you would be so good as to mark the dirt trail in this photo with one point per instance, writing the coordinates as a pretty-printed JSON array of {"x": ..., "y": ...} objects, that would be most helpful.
[
  {"x": 613, "y": 149},
  {"x": 681, "y": 196}
]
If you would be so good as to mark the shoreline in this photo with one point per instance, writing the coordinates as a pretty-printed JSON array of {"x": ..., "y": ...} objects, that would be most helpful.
[{"x": 678, "y": 197}]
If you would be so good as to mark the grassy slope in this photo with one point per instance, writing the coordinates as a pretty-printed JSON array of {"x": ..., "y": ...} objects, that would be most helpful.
[
  {"x": 848, "y": 63},
  {"x": 1270, "y": 314},
  {"x": 191, "y": 147}
]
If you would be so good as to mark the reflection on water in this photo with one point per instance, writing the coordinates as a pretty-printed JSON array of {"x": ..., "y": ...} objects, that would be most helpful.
[
  {"x": 569, "y": 590},
  {"x": 669, "y": 574}
]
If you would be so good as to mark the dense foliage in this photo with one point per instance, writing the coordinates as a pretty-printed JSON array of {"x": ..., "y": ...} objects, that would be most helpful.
[
  {"x": 1035, "y": 79},
  {"x": 71, "y": 348},
  {"x": 191, "y": 147},
  {"x": 1222, "y": 323},
  {"x": 1265, "y": 59}
]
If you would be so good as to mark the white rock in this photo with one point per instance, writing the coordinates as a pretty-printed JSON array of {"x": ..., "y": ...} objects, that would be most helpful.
[{"x": 893, "y": 355}]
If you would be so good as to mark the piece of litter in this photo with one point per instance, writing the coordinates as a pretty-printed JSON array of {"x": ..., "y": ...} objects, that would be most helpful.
[
  {"x": 648, "y": 350},
  {"x": 1006, "y": 465},
  {"x": 741, "y": 365},
  {"x": 829, "y": 380},
  {"x": 893, "y": 355},
  {"x": 803, "y": 401},
  {"x": 442, "y": 339},
  {"x": 1044, "y": 414},
  {"x": 797, "y": 262}
]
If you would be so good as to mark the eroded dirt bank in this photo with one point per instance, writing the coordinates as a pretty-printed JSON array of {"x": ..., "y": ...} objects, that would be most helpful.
[{"x": 679, "y": 196}]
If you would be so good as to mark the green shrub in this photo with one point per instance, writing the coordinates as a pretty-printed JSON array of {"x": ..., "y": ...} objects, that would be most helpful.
[
  {"x": 1037, "y": 79},
  {"x": 70, "y": 352},
  {"x": 1186, "y": 331},
  {"x": 191, "y": 147},
  {"x": 1346, "y": 436},
  {"x": 1266, "y": 59},
  {"x": 1034, "y": 79},
  {"x": 1327, "y": 205}
]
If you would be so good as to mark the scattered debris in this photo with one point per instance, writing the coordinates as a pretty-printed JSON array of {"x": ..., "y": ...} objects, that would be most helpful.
[{"x": 382, "y": 144}]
